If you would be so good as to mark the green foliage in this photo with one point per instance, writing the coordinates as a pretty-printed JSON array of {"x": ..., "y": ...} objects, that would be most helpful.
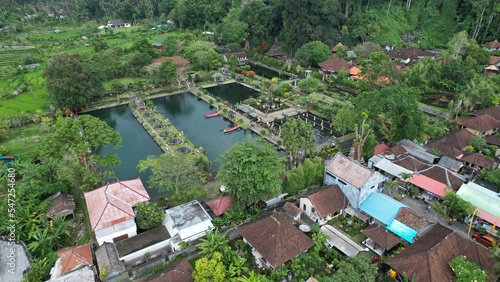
[
  {"x": 369, "y": 145},
  {"x": 251, "y": 171},
  {"x": 303, "y": 176},
  {"x": 313, "y": 53},
  {"x": 175, "y": 173},
  {"x": 76, "y": 144},
  {"x": 478, "y": 143},
  {"x": 297, "y": 135},
  {"x": 355, "y": 269},
  {"x": 208, "y": 270},
  {"x": 491, "y": 175},
  {"x": 167, "y": 71},
  {"x": 310, "y": 84},
  {"x": 72, "y": 80},
  {"x": 149, "y": 215},
  {"x": 3, "y": 150},
  {"x": 234, "y": 32},
  {"x": 233, "y": 61},
  {"x": 215, "y": 243},
  {"x": 466, "y": 270},
  {"x": 456, "y": 206}
]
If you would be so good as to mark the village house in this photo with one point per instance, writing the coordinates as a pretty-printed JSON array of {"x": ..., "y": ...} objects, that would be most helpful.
[
  {"x": 482, "y": 125},
  {"x": 427, "y": 259},
  {"x": 340, "y": 241},
  {"x": 181, "y": 271},
  {"x": 63, "y": 205},
  {"x": 292, "y": 211},
  {"x": 332, "y": 66},
  {"x": 220, "y": 205},
  {"x": 274, "y": 240},
  {"x": 494, "y": 46},
  {"x": 74, "y": 263},
  {"x": 452, "y": 145},
  {"x": 117, "y": 23},
  {"x": 486, "y": 201},
  {"x": 324, "y": 203},
  {"x": 379, "y": 239},
  {"x": 409, "y": 56},
  {"x": 353, "y": 179},
  {"x": 241, "y": 56},
  {"x": 186, "y": 222},
  {"x": 111, "y": 209}
]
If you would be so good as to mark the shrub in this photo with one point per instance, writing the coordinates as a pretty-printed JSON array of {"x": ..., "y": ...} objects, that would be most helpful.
[{"x": 211, "y": 101}]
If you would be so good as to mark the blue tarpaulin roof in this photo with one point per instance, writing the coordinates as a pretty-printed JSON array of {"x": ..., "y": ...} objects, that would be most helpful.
[
  {"x": 402, "y": 230},
  {"x": 381, "y": 207}
]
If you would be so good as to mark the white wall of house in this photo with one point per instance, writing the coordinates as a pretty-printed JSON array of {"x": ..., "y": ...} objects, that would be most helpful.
[
  {"x": 109, "y": 233},
  {"x": 196, "y": 231}
]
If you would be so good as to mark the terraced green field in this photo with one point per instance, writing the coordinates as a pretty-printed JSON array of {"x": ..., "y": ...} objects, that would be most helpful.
[{"x": 12, "y": 57}]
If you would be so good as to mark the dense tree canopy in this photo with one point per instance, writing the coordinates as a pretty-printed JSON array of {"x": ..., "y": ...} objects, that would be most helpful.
[
  {"x": 76, "y": 143},
  {"x": 71, "y": 80},
  {"x": 297, "y": 135},
  {"x": 313, "y": 53},
  {"x": 149, "y": 215},
  {"x": 250, "y": 171}
]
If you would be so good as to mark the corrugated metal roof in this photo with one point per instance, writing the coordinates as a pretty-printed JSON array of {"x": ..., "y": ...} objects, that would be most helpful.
[
  {"x": 392, "y": 169},
  {"x": 487, "y": 200},
  {"x": 381, "y": 207},
  {"x": 341, "y": 241},
  {"x": 402, "y": 230}
]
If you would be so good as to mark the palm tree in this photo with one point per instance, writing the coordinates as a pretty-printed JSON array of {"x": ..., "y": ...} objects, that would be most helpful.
[
  {"x": 391, "y": 184},
  {"x": 405, "y": 176}
]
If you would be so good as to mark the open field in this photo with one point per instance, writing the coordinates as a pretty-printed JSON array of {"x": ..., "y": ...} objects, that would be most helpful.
[{"x": 23, "y": 142}]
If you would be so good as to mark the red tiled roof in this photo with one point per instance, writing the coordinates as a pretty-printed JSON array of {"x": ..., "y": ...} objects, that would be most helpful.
[
  {"x": 220, "y": 205},
  {"x": 335, "y": 64},
  {"x": 412, "y": 218},
  {"x": 292, "y": 209},
  {"x": 61, "y": 203},
  {"x": 398, "y": 150},
  {"x": 413, "y": 53},
  {"x": 480, "y": 123},
  {"x": 74, "y": 258},
  {"x": 158, "y": 60},
  {"x": 429, "y": 256},
  {"x": 493, "y": 140},
  {"x": 179, "y": 61},
  {"x": 429, "y": 184},
  {"x": 112, "y": 203},
  {"x": 177, "y": 272},
  {"x": 494, "y": 44},
  {"x": 410, "y": 163},
  {"x": 327, "y": 200},
  {"x": 349, "y": 171},
  {"x": 443, "y": 175},
  {"x": 276, "y": 238},
  {"x": 493, "y": 111},
  {"x": 453, "y": 144},
  {"x": 494, "y": 60},
  {"x": 380, "y": 148},
  {"x": 478, "y": 159},
  {"x": 381, "y": 236},
  {"x": 334, "y": 48}
]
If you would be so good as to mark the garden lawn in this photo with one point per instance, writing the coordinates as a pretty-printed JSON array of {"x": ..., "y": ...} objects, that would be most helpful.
[{"x": 20, "y": 142}]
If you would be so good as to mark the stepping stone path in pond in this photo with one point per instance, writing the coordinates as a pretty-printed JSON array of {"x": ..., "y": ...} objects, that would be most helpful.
[
  {"x": 184, "y": 150},
  {"x": 174, "y": 141}
]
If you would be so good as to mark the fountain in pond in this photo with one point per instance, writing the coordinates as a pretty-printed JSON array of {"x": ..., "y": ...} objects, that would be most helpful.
[
  {"x": 184, "y": 150},
  {"x": 174, "y": 141},
  {"x": 166, "y": 133}
]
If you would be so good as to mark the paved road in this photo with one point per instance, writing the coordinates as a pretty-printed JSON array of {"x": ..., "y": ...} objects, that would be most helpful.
[{"x": 419, "y": 206}]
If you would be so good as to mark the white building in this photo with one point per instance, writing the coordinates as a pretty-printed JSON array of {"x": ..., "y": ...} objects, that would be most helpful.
[
  {"x": 322, "y": 204},
  {"x": 111, "y": 210},
  {"x": 355, "y": 180}
]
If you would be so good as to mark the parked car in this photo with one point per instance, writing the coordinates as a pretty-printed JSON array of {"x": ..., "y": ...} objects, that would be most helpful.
[{"x": 484, "y": 239}]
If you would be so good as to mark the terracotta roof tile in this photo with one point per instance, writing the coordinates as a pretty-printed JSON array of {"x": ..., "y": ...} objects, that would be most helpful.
[
  {"x": 220, "y": 205},
  {"x": 380, "y": 148},
  {"x": 453, "y": 144},
  {"x": 412, "y": 218},
  {"x": 429, "y": 256},
  {"x": 493, "y": 140},
  {"x": 292, "y": 209},
  {"x": 276, "y": 238},
  {"x": 398, "y": 150},
  {"x": 494, "y": 60},
  {"x": 179, "y": 61},
  {"x": 478, "y": 159},
  {"x": 178, "y": 272},
  {"x": 112, "y": 203},
  {"x": 381, "y": 236},
  {"x": 494, "y": 44},
  {"x": 327, "y": 200},
  {"x": 74, "y": 258},
  {"x": 335, "y": 64},
  {"x": 444, "y": 176},
  {"x": 349, "y": 171},
  {"x": 410, "y": 163},
  {"x": 493, "y": 111},
  {"x": 62, "y": 203},
  {"x": 480, "y": 123}
]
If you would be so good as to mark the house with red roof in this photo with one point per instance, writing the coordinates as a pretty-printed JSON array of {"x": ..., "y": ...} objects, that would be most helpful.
[
  {"x": 111, "y": 209},
  {"x": 482, "y": 125},
  {"x": 274, "y": 240},
  {"x": 73, "y": 262},
  {"x": 333, "y": 65},
  {"x": 220, "y": 205},
  {"x": 494, "y": 46},
  {"x": 353, "y": 179},
  {"x": 323, "y": 204}
]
